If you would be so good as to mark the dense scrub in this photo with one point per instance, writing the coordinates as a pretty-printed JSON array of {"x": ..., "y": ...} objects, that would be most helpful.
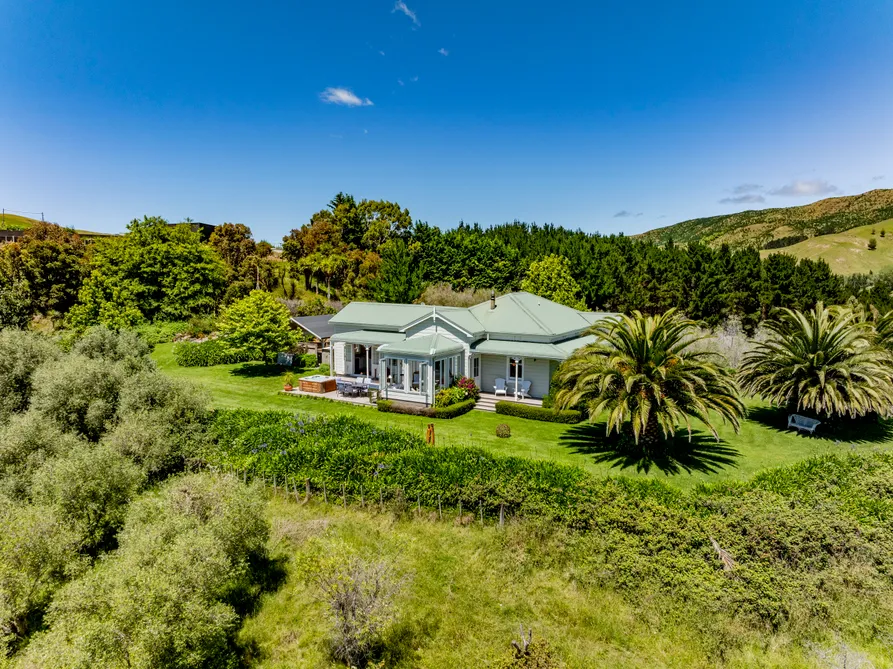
[
  {"x": 110, "y": 554},
  {"x": 804, "y": 549},
  {"x": 209, "y": 353}
]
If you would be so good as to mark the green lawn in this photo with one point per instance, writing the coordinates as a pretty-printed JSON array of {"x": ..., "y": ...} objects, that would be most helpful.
[{"x": 763, "y": 441}]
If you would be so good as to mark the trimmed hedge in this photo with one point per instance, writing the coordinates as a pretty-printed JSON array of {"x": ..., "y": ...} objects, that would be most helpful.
[
  {"x": 452, "y": 411},
  {"x": 566, "y": 416},
  {"x": 209, "y": 353}
]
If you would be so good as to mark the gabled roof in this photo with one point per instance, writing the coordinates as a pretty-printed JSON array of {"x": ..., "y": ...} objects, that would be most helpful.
[
  {"x": 516, "y": 315},
  {"x": 426, "y": 345},
  {"x": 373, "y": 337},
  {"x": 532, "y": 315},
  {"x": 318, "y": 326},
  {"x": 529, "y": 349}
]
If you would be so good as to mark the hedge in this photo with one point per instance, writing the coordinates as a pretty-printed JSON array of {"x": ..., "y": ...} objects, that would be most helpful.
[
  {"x": 209, "y": 353},
  {"x": 452, "y": 411},
  {"x": 567, "y": 416}
]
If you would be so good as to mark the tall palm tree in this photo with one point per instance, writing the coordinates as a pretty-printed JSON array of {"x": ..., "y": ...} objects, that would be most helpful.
[
  {"x": 825, "y": 361},
  {"x": 646, "y": 374}
]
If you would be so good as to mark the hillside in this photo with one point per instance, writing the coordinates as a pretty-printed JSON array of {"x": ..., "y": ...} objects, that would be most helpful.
[
  {"x": 847, "y": 252},
  {"x": 758, "y": 227},
  {"x": 14, "y": 222}
]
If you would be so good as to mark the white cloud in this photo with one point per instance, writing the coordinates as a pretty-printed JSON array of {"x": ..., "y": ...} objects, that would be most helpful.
[
  {"x": 443, "y": 52},
  {"x": 344, "y": 96},
  {"x": 365, "y": 132},
  {"x": 626, "y": 214},
  {"x": 415, "y": 78},
  {"x": 746, "y": 188},
  {"x": 400, "y": 81},
  {"x": 381, "y": 53},
  {"x": 879, "y": 177},
  {"x": 747, "y": 198},
  {"x": 808, "y": 187},
  {"x": 400, "y": 6}
]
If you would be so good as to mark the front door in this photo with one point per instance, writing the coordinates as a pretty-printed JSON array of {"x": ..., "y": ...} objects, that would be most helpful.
[
  {"x": 360, "y": 360},
  {"x": 515, "y": 374}
]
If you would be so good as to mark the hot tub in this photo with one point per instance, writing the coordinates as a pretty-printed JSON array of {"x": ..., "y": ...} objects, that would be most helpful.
[{"x": 317, "y": 384}]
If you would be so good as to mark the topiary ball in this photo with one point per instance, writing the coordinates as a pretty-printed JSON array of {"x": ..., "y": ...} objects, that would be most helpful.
[{"x": 503, "y": 431}]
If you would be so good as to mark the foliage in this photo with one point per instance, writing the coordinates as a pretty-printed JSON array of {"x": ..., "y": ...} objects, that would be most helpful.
[
  {"x": 359, "y": 594},
  {"x": 48, "y": 263},
  {"x": 161, "y": 332},
  {"x": 872, "y": 244},
  {"x": 408, "y": 408},
  {"x": 399, "y": 276},
  {"x": 211, "y": 352},
  {"x": 21, "y": 353},
  {"x": 314, "y": 305},
  {"x": 80, "y": 395},
  {"x": 27, "y": 441},
  {"x": 155, "y": 271},
  {"x": 90, "y": 489},
  {"x": 454, "y": 410},
  {"x": 100, "y": 343},
  {"x": 644, "y": 373},
  {"x": 38, "y": 553},
  {"x": 470, "y": 387},
  {"x": 15, "y": 304},
  {"x": 162, "y": 598},
  {"x": 258, "y": 323},
  {"x": 234, "y": 245},
  {"x": 325, "y": 369},
  {"x": 448, "y": 396},
  {"x": 824, "y": 361},
  {"x": 567, "y": 416},
  {"x": 503, "y": 431},
  {"x": 551, "y": 278},
  {"x": 443, "y": 294}
]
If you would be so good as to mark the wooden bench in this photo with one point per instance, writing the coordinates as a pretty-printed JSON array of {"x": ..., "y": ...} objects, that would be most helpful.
[{"x": 803, "y": 423}]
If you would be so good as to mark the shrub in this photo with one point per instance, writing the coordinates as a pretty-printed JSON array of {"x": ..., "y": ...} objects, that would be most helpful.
[
  {"x": 162, "y": 599},
  {"x": 200, "y": 327},
  {"x": 872, "y": 244},
  {"x": 454, "y": 410},
  {"x": 567, "y": 416},
  {"x": 79, "y": 393},
  {"x": 155, "y": 444},
  {"x": 304, "y": 360},
  {"x": 408, "y": 408},
  {"x": 26, "y": 442},
  {"x": 448, "y": 396},
  {"x": 21, "y": 353},
  {"x": 161, "y": 332},
  {"x": 470, "y": 387},
  {"x": 210, "y": 353},
  {"x": 360, "y": 597},
  {"x": 101, "y": 343},
  {"x": 503, "y": 431},
  {"x": 883, "y": 233},
  {"x": 90, "y": 488},
  {"x": 324, "y": 369}
]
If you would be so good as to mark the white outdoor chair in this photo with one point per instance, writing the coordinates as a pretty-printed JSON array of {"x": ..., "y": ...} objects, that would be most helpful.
[
  {"x": 499, "y": 388},
  {"x": 524, "y": 390}
]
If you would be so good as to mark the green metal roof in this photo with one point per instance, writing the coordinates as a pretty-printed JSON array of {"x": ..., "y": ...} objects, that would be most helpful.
[
  {"x": 527, "y": 349},
  {"x": 516, "y": 314},
  {"x": 368, "y": 337},
  {"x": 426, "y": 346}
]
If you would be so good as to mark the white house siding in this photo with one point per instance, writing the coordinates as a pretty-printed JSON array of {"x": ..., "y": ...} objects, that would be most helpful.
[
  {"x": 537, "y": 371},
  {"x": 339, "y": 353}
]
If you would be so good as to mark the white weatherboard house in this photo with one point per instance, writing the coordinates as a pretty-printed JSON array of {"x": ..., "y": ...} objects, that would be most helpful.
[{"x": 413, "y": 350}]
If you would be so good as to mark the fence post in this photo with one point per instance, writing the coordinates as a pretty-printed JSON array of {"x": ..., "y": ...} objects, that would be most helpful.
[
  {"x": 381, "y": 499},
  {"x": 325, "y": 494},
  {"x": 460, "y": 511},
  {"x": 343, "y": 496},
  {"x": 481, "y": 509},
  {"x": 306, "y": 490},
  {"x": 429, "y": 434},
  {"x": 501, "y": 515},
  {"x": 362, "y": 497},
  {"x": 439, "y": 508}
]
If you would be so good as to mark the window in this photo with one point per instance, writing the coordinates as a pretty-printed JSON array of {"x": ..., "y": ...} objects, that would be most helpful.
[
  {"x": 476, "y": 367},
  {"x": 416, "y": 376},
  {"x": 394, "y": 369}
]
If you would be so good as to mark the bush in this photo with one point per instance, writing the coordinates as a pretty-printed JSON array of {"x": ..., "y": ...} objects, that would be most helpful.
[
  {"x": 304, "y": 360},
  {"x": 503, "y": 431},
  {"x": 163, "y": 598},
  {"x": 448, "y": 396},
  {"x": 210, "y": 353},
  {"x": 454, "y": 410},
  {"x": 101, "y": 343},
  {"x": 566, "y": 416},
  {"x": 324, "y": 369},
  {"x": 79, "y": 393},
  {"x": 26, "y": 442},
  {"x": 470, "y": 387},
  {"x": 872, "y": 244},
  {"x": 360, "y": 596},
  {"x": 408, "y": 408},
  {"x": 161, "y": 332},
  {"x": 200, "y": 327},
  {"x": 21, "y": 353}
]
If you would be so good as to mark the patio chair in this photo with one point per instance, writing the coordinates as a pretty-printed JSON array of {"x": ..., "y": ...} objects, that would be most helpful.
[
  {"x": 343, "y": 387},
  {"x": 499, "y": 388},
  {"x": 524, "y": 390}
]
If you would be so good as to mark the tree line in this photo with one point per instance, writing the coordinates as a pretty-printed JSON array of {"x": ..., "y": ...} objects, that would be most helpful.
[{"x": 373, "y": 250}]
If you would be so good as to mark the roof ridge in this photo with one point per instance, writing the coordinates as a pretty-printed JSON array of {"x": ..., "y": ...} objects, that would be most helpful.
[{"x": 531, "y": 314}]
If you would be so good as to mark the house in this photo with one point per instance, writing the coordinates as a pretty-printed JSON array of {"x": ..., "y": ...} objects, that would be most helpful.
[
  {"x": 319, "y": 330},
  {"x": 417, "y": 349}
]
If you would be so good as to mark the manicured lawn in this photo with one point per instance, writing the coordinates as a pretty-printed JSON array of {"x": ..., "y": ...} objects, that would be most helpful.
[{"x": 762, "y": 442}]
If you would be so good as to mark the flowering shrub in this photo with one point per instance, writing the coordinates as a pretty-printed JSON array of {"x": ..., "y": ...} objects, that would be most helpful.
[
  {"x": 468, "y": 385},
  {"x": 449, "y": 396}
]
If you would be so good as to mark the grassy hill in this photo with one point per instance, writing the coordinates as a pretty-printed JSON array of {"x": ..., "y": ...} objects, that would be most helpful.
[
  {"x": 759, "y": 227},
  {"x": 847, "y": 252},
  {"x": 14, "y": 222}
]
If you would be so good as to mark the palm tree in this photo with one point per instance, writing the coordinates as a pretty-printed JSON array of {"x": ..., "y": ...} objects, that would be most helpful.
[
  {"x": 646, "y": 374},
  {"x": 825, "y": 361}
]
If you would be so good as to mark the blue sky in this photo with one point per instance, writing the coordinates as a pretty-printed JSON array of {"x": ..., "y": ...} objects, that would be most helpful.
[{"x": 609, "y": 116}]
